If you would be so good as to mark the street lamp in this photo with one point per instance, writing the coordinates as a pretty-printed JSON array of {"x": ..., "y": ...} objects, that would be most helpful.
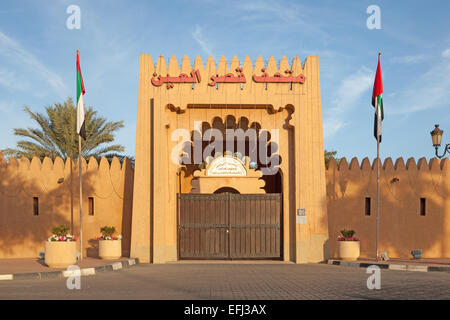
[{"x": 436, "y": 136}]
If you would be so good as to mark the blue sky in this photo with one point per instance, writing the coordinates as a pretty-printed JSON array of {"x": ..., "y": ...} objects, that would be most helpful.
[{"x": 37, "y": 59}]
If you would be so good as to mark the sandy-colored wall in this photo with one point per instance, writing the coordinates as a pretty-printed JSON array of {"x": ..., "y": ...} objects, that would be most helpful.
[
  {"x": 161, "y": 110},
  {"x": 22, "y": 234},
  {"x": 402, "y": 228}
]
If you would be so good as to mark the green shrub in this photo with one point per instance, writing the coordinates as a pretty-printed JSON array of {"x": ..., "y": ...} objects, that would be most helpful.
[
  {"x": 61, "y": 231},
  {"x": 107, "y": 231},
  {"x": 348, "y": 233}
]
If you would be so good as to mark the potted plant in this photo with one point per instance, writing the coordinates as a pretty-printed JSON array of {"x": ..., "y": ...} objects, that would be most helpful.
[
  {"x": 60, "y": 248},
  {"x": 109, "y": 246},
  {"x": 348, "y": 245}
]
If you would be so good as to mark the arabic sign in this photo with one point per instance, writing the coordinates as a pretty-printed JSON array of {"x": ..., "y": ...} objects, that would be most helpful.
[
  {"x": 278, "y": 78},
  {"x": 226, "y": 166},
  {"x": 182, "y": 78},
  {"x": 228, "y": 78}
]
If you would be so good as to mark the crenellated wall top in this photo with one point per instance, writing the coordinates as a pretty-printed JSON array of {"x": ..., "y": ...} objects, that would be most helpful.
[
  {"x": 230, "y": 83},
  {"x": 421, "y": 165},
  {"x": 48, "y": 164}
]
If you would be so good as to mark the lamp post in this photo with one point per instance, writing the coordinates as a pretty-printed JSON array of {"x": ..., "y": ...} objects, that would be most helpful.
[{"x": 436, "y": 136}]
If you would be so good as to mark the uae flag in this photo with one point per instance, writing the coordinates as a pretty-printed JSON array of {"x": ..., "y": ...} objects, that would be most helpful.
[
  {"x": 377, "y": 102},
  {"x": 80, "y": 105}
]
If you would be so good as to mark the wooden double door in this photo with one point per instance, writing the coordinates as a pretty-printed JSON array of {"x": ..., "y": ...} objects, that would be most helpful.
[{"x": 229, "y": 226}]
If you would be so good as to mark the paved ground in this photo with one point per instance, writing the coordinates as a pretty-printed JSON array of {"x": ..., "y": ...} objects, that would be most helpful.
[{"x": 236, "y": 281}]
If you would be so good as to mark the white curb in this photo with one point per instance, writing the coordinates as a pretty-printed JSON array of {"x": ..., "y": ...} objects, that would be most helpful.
[
  {"x": 71, "y": 273},
  {"x": 6, "y": 276},
  {"x": 117, "y": 266},
  {"x": 401, "y": 267},
  {"x": 88, "y": 271},
  {"x": 417, "y": 268}
]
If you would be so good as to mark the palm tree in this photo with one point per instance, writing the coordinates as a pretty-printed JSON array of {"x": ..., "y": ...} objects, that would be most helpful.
[{"x": 57, "y": 135}]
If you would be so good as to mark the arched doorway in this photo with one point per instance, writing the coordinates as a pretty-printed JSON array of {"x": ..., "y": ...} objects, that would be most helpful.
[
  {"x": 226, "y": 190},
  {"x": 231, "y": 207}
]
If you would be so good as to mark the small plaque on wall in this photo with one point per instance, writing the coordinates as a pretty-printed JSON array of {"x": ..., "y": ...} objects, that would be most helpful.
[
  {"x": 226, "y": 166},
  {"x": 301, "y": 219}
]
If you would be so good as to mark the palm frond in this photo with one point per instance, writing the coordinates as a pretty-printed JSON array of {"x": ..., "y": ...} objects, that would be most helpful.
[{"x": 56, "y": 134}]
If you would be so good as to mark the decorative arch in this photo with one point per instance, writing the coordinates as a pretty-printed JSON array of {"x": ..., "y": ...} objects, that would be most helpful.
[{"x": 227, "y": 190}]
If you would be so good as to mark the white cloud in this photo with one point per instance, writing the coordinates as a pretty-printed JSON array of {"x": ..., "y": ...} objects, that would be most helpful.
[
  {"x": 410, "y": 59},
  {"x": 9, "y": 80},
  {"x": 346, "y": 97},
  {"x": 331, "y": 126},
  {"x": 282, "y": 15},
  {"x": 446, "y": 53},
  {"x": 259, "y": 10},
  {"x": 13, "y": 51},
  {"x": 430, "y": 90},
  {"x": 352, "y": 87},
  {"x": 197, "y": 34}
]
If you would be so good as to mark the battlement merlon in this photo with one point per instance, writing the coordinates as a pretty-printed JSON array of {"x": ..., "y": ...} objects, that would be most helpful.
[{"x": 421, "y": 165}]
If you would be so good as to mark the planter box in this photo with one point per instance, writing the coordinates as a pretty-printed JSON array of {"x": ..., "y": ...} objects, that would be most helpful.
[
  {"x": 60, "y": 254},
  {"x": 348, "y": 250},
  {"x": 109, "y": 249}
]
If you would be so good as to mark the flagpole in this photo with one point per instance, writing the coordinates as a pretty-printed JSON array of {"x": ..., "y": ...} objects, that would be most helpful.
[
  {"x": 81, "y": 199},
  {"x": 81, "y": 194},
  {"x": 378, "y": 179},
  {"x": 378, "y": 193}
]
